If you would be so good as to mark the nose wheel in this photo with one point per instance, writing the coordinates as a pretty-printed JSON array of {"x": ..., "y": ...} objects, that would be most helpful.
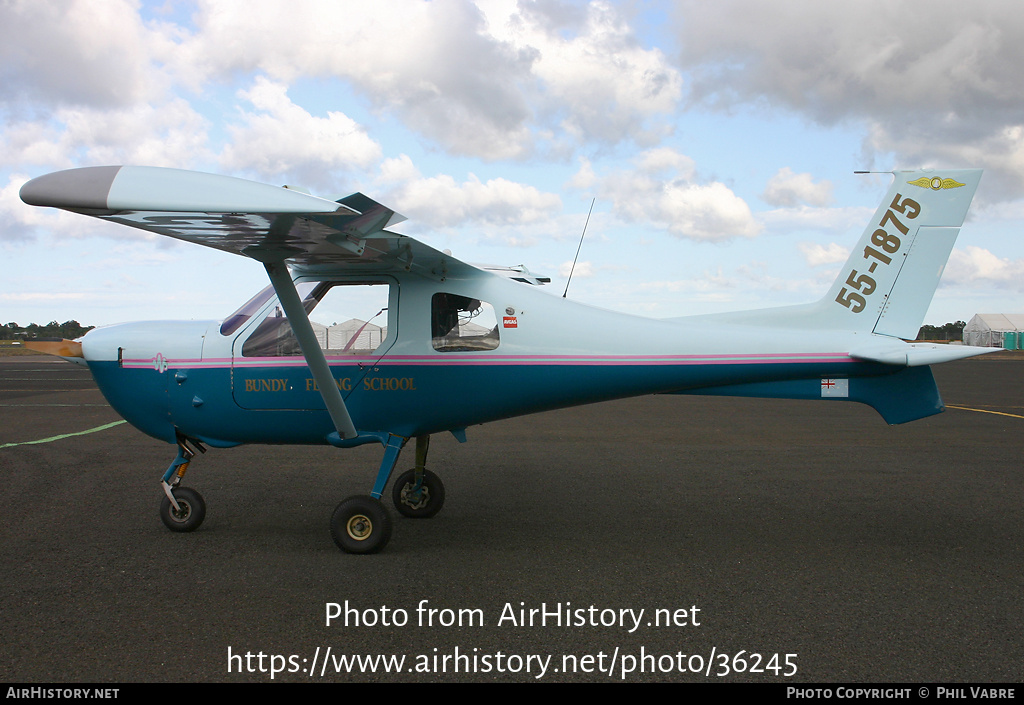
[{"x": 189, "y": 513}]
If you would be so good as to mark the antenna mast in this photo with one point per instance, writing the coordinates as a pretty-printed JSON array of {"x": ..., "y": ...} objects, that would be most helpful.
[{"x": 578, "y": 247}]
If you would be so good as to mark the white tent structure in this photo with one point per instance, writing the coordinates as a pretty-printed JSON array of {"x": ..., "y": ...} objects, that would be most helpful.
[
  {"x": 469, "y": 329},
  {"x": 995, "y": 330},
  {"x": 320, "y": 331},
  {"x": 368, "y": 336}
]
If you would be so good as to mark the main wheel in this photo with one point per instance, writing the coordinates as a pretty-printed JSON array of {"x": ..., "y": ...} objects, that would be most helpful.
[
  {"x": 418, "y": 504},
  {"x": 361, "y": 524},
  {"x": 190, "y": 513}
]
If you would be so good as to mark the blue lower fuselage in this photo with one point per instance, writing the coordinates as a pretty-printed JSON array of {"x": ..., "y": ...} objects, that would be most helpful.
[{"x": 280, "y": 403}]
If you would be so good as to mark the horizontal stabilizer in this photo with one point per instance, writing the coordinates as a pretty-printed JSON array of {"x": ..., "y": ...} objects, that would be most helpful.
[{"x": 917, "y": 354}]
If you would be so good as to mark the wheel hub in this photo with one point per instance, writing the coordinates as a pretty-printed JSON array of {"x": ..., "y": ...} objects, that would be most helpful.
[
  {"x": 359, "y": 527},
  {"x": 415, "y": 499},
  {"x": 183, "y": 511}
]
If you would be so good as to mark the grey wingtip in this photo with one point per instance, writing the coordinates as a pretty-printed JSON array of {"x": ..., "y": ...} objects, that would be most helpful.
[{"x": 83, "y": 188}]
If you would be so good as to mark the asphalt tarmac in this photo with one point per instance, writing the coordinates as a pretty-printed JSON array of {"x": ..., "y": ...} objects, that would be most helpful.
[{"x": 811, "y": 532}]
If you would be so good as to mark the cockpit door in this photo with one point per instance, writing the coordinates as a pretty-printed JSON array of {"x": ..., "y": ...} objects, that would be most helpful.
[{"x": 355, "y": 324}]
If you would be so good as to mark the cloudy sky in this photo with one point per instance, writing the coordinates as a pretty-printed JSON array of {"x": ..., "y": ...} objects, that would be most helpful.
[{"x": 718, "y": 139}]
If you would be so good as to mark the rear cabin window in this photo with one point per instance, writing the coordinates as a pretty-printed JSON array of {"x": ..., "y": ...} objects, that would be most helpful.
[
  {"x": 347, "y": 319},
  {"x": 460, "y": 323}
]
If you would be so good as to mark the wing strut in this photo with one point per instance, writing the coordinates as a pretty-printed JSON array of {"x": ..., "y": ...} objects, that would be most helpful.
[{"x": 289, "y": 298}]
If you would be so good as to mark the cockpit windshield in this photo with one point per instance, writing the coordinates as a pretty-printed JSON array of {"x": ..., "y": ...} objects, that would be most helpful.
[
  {"x": 253, "y": 305},
  {"x": 348, "y": 318},
  {"x": 250, "y": 307}
]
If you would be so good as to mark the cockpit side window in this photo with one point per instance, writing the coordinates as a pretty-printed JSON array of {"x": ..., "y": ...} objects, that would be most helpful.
[
  {"x": 460, "y": 323},
  {"x": 347, "y": 319}
]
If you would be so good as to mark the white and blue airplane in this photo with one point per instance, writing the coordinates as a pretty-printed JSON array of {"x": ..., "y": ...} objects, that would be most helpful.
[{"x": 429, "y": 344}]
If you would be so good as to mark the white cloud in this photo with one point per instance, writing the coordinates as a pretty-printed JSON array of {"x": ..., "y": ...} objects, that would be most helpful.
[
  {"x": 665, "y": 159},
  {"x": 283, "y": 140},
  {"x": 584, "y": 178},
  {"x": 16, "y": 218},
  {"x": 976, "y": 265},
  {"x": 440, "y": 201},
  {"x": 80, "y": 52},
  {"x": 709, "y": 282},
  {"x": 817, "y": 255},
  {"x": 487, "y": 79},
  {"x": 703, "y": 212},
  {"x": 168, "y": 134},
  {"x": 787, "y": 190},
  {"x": 591, "y": 68},
  {"x": 660, "y": 190},
  {"x": 432, "y": 64},
  {"x": 934, "y": 83},
  {"x": 835, "y": 220},
  {"x": 581, "y": 270},
  {"x": 397, "y": 170},
  {"x": 43, "y": 296},
  {"x": 1001, "y": 152},
  {"x": 873, "y": 57}
]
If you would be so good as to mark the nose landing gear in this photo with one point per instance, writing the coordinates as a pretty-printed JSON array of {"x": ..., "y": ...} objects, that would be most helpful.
[{"x": 182, "y": 508}]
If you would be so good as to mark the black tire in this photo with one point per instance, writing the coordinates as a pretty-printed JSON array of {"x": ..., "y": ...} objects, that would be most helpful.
[
  {"x": 192, "y": 510},
  {"x": 424, "y": 506},
  {"x": 361, "y": 524}
]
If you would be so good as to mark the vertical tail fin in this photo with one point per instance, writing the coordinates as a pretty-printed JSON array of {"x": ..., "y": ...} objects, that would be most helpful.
[{"x": 887, "y": 284}]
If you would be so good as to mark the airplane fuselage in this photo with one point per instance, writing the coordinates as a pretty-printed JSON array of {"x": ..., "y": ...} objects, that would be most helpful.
[
  {"x": 367, "y": 335},
  {"x": 187, "y": 377}
]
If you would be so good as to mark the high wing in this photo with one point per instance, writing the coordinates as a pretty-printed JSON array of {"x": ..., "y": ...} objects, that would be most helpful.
[
  {"x": 266, "y": 223},
  {"x": 276, "y": 226}
]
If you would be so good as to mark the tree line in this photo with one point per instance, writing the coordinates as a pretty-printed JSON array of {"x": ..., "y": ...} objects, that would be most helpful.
[
  {"x": 948, "y": 331},
  {"x": 53, "y": 329}
]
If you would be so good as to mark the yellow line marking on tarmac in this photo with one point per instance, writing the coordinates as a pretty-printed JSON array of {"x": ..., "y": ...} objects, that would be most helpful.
[
  {"x": 11, "y": 406},
  {"x": 984, "y": 411},
  {"x": 65, "y": 435}
]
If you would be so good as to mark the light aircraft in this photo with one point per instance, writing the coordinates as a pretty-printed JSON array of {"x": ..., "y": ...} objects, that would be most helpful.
[{"x": 437, "y": 345}]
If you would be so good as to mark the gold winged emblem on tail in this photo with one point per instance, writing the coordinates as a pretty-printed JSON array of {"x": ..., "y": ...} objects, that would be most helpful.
[{"x": 936, "y": 183}]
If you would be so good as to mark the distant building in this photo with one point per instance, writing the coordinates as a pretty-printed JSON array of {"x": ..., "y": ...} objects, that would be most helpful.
[
  {"x": 320, "y": 331},
  {"x": 355, "y": 336},
  {"x": 995, "y": 330}
]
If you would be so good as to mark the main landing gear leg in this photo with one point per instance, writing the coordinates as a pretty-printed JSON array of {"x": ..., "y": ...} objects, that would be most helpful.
[
  {"x": 361, "y": 524},
  {"x": 182, "y": 508},
  {"x": 418, "y": 493}
]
